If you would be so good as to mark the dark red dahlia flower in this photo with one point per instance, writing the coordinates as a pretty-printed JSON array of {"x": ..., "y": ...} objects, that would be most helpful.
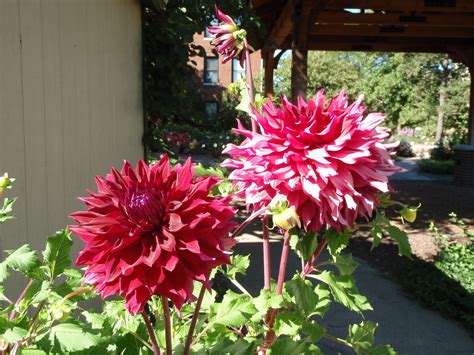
[
  {"x": 326, "y": 159},
  {"x": 152, "y": 230}
]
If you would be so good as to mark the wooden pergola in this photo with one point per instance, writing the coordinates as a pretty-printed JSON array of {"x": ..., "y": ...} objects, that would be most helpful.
[{"x": 433, "y": 26}]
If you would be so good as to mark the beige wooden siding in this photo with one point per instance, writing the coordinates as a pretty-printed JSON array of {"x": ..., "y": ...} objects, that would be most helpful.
[{"x": 70, "y": 104}]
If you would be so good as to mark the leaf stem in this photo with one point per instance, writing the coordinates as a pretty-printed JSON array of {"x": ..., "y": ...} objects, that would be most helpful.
[
  {"x": 192, "y": 326},
  {"x": 20, "y": 298},
  {"x": 248, "y": 68},
  {"x": 337, "y": 340},
  {"x": 266, "y": 254},
  {"x": 310, "y": 264},
  {"x": 240, "y": 287},
  {"x": 151, "y": 332},
  {"x": 166, "y": 314}
]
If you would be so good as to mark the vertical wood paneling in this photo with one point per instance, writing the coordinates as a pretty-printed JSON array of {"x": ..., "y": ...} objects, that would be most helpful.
[
  {"x": 53, "y": 114},
  {"x": 34, "y": 120},
  {"x": 70, "y": 104},
  {"x": 12, "y": 138}
]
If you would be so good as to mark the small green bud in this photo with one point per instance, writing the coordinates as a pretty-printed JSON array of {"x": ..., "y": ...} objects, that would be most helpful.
[
  {"x": 286, "y": 218},
  {"x": 60, "y": 311},
  {"x": 408, "y": 213},
  {"x": 5, "y": 181}
]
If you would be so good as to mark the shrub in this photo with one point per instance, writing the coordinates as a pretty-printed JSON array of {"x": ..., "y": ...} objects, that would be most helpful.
[
  {"x": 436, "y": 166},
  {"x": 442, "y": 151},
  {"x": 404, "y": 149}
]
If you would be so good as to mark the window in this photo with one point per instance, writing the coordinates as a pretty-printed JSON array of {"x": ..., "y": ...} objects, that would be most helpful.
[
  {"x": 212, "y": 109},
  {"x": 214, "y": 22},
  {"x": 238, "y": 71},
  {"x": 211, "y": 70}
]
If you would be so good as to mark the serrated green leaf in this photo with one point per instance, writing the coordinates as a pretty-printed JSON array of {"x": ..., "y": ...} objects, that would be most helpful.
[
  {"x": 381, "y": 350},
  {"x": 304, "y": 245},
  {"x": 266, "y": 300},
  {"x": 235, "y": 310},
  {"x": 402, "y": 240},
  {"x": 6, "y": 210},
  {"x": 96, "y": 320},
  {"x": 23, "y": 260},
  {"x": 31, "y": 351},
  {"x": 239, "y": 346},
  {"x": 345, "y": 263},
  {"x": 288, "y": 324},
  {"x": 14, "y": 334},
  {"x": 361, "y": 336},
  {"x": 324, "y": 299},
  {"x": 302, "y": 290},
  {"x": 337, "y": 241},
  {"x": 314, "y": 331},
  {"x": 56, "y": 254},
  {"x": 344, "y": 291},
  {"x": 377, "y": 235},
  {"x": 239, "y": 265},
  {"x": 68, "y": 337},
  {"x": 287, "y": 346}
]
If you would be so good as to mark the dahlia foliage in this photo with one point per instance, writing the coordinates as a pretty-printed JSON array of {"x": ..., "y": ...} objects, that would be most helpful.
[
  {"x": 153, "y": 231},
  {"x": 325, "y": 158}
]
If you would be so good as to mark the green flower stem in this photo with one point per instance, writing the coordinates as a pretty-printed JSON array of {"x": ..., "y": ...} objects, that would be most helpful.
[
  {"x": 337, "y": 340},
  {"x": 20, "y": 298},
  {"x": 248, "y": 68},
  {"x": 283, "y": 262},
  {"x": 192, "y": 326},
  {"x": 240, "y": 287},
  {"x": 166, "y": 314},
  {"x": 266, "y": 254},
  {"x": 151, "y": 332}
]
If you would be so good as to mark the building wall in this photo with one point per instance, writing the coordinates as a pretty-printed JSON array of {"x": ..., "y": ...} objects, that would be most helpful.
[
  {"x": 214, "y": 92},
  {"x": 70, "y": 105}
]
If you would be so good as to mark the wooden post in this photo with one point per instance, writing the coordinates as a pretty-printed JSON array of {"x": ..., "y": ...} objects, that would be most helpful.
[
  {"x": 299, "y": 64},
  {"x": 470, "y": 120},
  {"x": 269, "y": 63}
]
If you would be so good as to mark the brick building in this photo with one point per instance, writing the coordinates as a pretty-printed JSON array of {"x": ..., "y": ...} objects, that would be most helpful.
[{"x": 216, "y": 76}]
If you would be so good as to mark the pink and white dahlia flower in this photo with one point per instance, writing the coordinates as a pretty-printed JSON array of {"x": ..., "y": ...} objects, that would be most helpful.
[
  {"x": 326, "y": 159},
  {"x": 152, "y": 231},
  {"x": 228, "y": 37}
]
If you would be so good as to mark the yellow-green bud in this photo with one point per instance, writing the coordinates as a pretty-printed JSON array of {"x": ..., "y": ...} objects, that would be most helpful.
[
  {"x": 5, "y": 181},
  {"x": 287, "y": 218},
  {"x": 408, "y": 213},
  {"x": 60, "y": 311}
]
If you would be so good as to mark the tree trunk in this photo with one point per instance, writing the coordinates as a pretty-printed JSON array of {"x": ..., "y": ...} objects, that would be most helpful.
[{"x": 441, "y": 110}]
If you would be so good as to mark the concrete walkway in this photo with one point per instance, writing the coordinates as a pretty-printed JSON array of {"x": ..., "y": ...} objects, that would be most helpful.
[
  {"x": 408, "y": 327},
  {"x": 410, "y": 172}
]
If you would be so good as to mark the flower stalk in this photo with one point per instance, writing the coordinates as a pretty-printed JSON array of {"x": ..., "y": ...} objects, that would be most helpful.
[
  {"x": 151, "y": 332},
  {"x": 248, "y": 68},
  {"x": 266, "y": 254},
  {"x": 166, "y": 314},
  {"x": 192, "y": 326}
]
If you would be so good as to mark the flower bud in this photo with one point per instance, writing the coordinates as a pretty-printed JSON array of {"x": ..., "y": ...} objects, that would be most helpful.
[
  {"x": 5, "y": 181},
  {"x": 60, "y": 311},
  {"x": 286, "y": 218},
  {"x": 408, "y": 213}
]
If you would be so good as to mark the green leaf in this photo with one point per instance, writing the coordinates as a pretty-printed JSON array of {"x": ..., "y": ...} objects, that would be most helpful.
[
  {"x": 23, "y": 260},
  {"x": 302, "y": 290},
  {"x": 402, "y": 240},
  {"x": 381, "y": 350},
  {"x": 345, "y": 263},
  {"x": 32, "y": 351},
  {"x": 14, "y": 334},
  {"x": 234, "y": 311},
  {"x": 68, "y": 337},
  {"x": 314, "y": 331},
  {"x": 361, "y": 336},
  {"x": 337, "y": 241},
  {"x": 304, "y": 245},
  {"x": 324, "y": 300},
  {"x": 6, "y": 210},
  {"x": 240, "y": 264},
  {"x": 266, "y": 300},
  {"x": 287, "y": 346},
  {"x": 344, "y": 291},
  {"x": 56, "y": 254},
  {"x": 288, "y": 323},
  {"x": 377, "y": 235}
]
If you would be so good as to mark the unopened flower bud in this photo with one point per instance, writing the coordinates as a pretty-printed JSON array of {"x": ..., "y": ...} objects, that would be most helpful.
[
  {"x": 5, "y": 181},
  {"x": 408, "y": 213},
  {"x": 60, "y": 311},
  {"x": 287, "y": 218}
]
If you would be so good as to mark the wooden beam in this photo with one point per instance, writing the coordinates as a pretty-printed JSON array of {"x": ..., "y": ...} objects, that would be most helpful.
[
  {"x": 405, "y": 5},
  {"x": 269, "y": 66},
  {"x": 416, "y": 20},
  {"x": 299, "y": 49},
  {"x": 385, "y": 44},
  {"x": 283, "y": 25},
  {"x": 391, "y": 31}
]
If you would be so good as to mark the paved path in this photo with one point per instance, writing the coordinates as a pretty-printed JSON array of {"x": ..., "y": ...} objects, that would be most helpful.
[
  {"x": 410, "y": 172},
  {"x": 408, "y": 327}
]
